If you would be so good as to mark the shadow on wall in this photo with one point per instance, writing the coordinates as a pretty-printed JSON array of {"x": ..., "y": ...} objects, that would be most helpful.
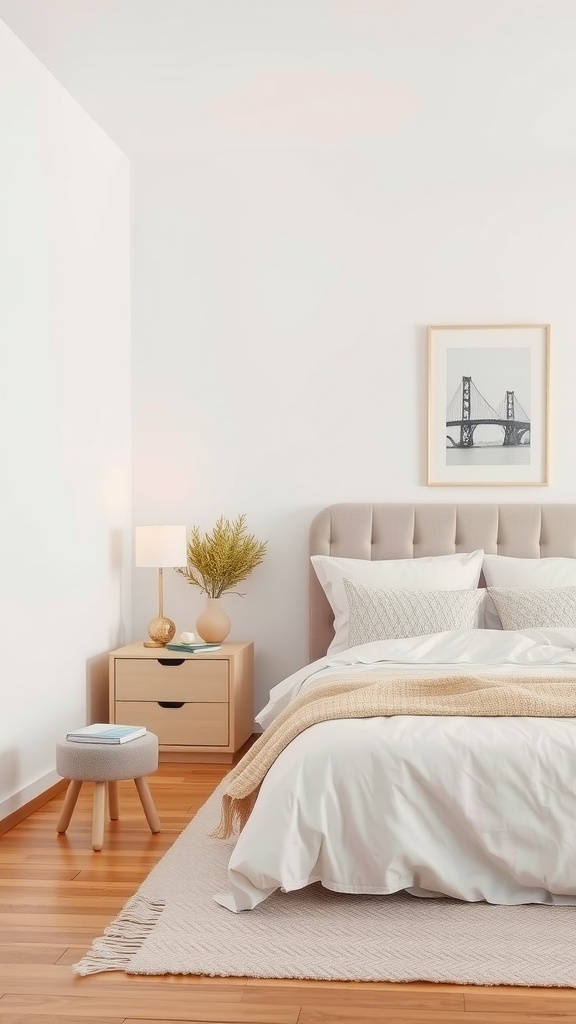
[
  {"x": 10, "y": 770},
  {"x": 97, "y": 700},
  {"x": 97, "y": 689},
  {"x": 116, "y": 554}
]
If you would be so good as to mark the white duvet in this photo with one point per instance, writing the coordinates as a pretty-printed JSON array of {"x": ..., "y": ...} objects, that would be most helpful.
[{"x": 473, "y": 808}]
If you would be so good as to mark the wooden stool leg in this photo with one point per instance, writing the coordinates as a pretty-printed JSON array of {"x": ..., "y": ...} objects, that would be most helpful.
[
  {"x": 148, "y": 804},
  {"x": 98, "y": 815},
  {"x": 72, "y": 794},
  {"x": 113, "y": 801}
]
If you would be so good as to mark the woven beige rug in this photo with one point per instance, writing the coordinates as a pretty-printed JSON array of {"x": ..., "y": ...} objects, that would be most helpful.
[{"x": 173, "y": 926}]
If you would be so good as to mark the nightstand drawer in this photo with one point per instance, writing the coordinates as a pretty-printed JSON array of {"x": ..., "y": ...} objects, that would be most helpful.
[
  {"x": 198, "y": 724},
  {"x": 144, "y": 679},
  {"x": 213, "y": 716}
]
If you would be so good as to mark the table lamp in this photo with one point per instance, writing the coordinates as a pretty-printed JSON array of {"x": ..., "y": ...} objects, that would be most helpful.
[{"x": 160, "y": 547}]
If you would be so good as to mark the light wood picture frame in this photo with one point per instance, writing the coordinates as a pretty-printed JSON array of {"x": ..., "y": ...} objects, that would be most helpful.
[{"x": 488, "y": 404}]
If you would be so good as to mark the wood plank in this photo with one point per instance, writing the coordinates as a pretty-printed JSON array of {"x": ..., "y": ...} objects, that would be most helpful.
[
  {"x": 33, "y": 1018},
  {"x": 43, "y": 921},
  {"x": 17, "y": 979},
  {"x": 9, "y": 872},
  {"x": 505, "y": 999},
  {"x": 155, "y": 1020},
  {"x": 395, "y": 1016},
  {"x": 135, "y": 874},
  {"x": 355, "y": 998},
  {"x": 34, "y": 953},
  {"x": 45, "y": 906},
  {"x": 60, "y": 936},
  {"x": 72, "y": 955},
  {"x": 174, "y": 1005},
  {"x": 66, "y": 891}
]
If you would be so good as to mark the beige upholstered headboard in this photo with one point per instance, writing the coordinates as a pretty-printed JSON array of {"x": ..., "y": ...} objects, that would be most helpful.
[{"x": 411, "y": 531}]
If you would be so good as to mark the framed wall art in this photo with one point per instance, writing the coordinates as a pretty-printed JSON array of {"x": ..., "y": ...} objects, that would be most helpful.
[{"x": 488, "y": 404}]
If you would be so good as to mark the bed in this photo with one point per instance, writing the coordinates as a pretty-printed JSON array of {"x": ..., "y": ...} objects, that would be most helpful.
[{"x": 470, "y": 806}]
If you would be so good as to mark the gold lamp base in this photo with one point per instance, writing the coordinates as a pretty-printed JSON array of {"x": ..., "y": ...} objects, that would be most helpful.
[{"x": 160, "y": 630}]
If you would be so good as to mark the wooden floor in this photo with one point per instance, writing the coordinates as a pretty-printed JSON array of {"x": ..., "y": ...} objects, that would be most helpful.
[{"x": 57, "y": 895}]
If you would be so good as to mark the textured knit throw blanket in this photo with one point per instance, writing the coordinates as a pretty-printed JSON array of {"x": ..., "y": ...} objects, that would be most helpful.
[{"x": 357, "y": 696}]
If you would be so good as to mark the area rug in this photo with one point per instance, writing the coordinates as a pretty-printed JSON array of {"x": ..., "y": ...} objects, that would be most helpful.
[{"x": 173, "y": 926}]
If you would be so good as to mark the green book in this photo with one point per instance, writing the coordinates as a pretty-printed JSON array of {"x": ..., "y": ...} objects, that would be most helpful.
[
  {"x": 103, "y": 732},
  {"x": 193, "y": 648}
]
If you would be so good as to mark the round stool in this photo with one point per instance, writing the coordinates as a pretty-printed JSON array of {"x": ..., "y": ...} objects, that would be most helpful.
[{"x": 105, "y": 764}]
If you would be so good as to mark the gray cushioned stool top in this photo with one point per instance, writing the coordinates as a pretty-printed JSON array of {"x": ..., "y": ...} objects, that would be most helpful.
[{"x": 107, "y": 762}]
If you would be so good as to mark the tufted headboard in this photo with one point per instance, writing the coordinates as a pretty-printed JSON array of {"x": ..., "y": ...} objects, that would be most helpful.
[{"x": 411, "y": 531}]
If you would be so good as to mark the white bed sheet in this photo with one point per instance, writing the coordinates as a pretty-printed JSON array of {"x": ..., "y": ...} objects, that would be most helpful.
[{"x": 473, "y": 808}]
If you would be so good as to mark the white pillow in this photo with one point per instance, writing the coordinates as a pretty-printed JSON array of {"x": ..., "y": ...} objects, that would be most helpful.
[
  {"x": 535, "y": 573},
  {"x": 436, "y": 572},
  {"x": 542, "y": 608},
  {"x": 508, "y": 571},
  {"x": 390, "y": 614}
]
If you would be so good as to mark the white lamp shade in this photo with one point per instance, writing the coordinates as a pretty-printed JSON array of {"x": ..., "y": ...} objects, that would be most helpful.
[{"x": 160, "y": 546}]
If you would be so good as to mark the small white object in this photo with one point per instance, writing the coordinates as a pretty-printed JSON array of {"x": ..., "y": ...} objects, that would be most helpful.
[{"x": 187, "y": 638}]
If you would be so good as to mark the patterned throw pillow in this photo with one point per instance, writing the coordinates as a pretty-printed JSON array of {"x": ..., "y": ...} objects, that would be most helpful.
[
  {"x": 430, "y": 572},
  {"x": 393, "y": 614},
  {"x": 542, "y": 608}
]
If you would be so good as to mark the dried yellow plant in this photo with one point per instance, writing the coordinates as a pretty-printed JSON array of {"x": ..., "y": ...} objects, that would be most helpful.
[{"x": 219, "y": 561}]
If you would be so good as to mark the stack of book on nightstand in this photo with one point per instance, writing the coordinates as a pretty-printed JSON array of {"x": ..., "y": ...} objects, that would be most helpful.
[{"x": 106, "y": 733}]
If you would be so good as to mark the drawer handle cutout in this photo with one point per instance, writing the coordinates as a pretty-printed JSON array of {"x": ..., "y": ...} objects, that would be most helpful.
[
  {"x": 170, "y": 661},
  {"x": 171, "y": 703}
]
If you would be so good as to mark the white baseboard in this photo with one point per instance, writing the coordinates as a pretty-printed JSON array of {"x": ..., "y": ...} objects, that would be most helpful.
[{"x": 24, "y": 796}]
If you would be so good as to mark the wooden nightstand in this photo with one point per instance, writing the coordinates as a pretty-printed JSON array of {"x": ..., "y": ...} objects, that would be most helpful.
[{"x": 199, "y": 705}]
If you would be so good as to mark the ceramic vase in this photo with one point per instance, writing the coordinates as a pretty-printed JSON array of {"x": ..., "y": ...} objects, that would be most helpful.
[{"x": 213, "y": 625}]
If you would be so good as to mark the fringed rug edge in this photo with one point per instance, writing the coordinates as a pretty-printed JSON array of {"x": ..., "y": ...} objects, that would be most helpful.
[{"x": 123, "y": 938}]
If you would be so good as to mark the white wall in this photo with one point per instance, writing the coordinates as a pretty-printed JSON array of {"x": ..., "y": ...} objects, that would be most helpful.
[
  {"x": 356, "y": 176},
  {"x": 315, "y": 181},
  {"x": 64, "y": 417}
]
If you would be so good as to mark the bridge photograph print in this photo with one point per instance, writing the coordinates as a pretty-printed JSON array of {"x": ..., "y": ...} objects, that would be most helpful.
[{"x": 488, "y": 404}]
